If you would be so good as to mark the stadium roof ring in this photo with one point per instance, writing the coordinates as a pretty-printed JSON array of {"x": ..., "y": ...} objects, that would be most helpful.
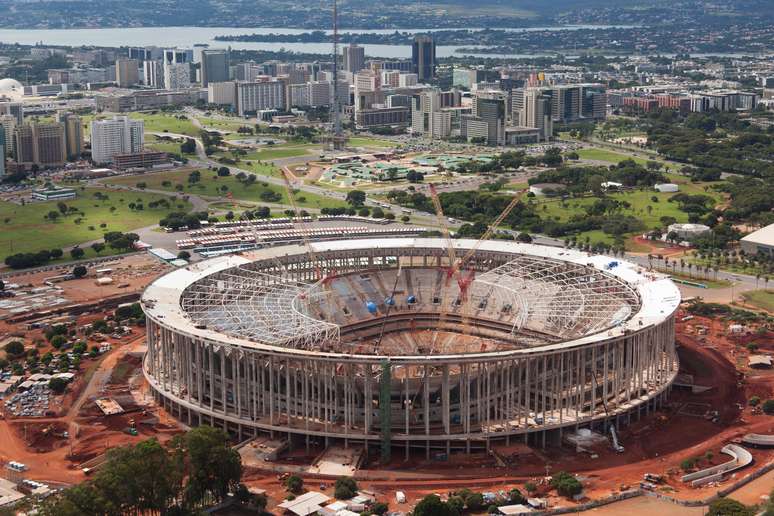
[{"x": 314, "y": 341}]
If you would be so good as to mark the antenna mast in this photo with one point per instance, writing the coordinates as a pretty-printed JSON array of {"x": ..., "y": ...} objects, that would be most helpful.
[
  {"x": 336, "y": 109},
  {"x": 338, "y": 138}
]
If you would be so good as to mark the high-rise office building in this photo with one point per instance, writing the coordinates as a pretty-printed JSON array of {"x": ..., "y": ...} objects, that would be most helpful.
[
  {"x": 2, "y": 151},
  {"x": 127, "y": 72},
  {"x": 8, "y": 123},
  {"x": 177, "y": 76},
  {"x": 177, "y": 68},
  {"x": 121, "y": 135},
  {"x": 427, "y": 117},
  {"x": 490, "y": 107},
  {"x": 532, "y": 107},
  {"x": 15, "y": 109},
  {"x": 73, "y": 127},
  {"x": 214, "y": 66},
  {"x": 153, "y": 74},
  {"x": 353, "y": 58},
  {"x": 423, "y": 57},
  {"x": 40, "y": 144}
]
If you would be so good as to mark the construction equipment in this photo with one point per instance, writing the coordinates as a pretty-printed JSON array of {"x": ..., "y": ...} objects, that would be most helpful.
[
  {"x": 324, "y": 278},
  {"x": 443, "y": 313},
  {"x": 457, "y": 264}
]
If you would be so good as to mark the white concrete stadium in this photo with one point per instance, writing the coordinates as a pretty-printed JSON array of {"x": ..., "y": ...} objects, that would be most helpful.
[{"x": 385, "y": 350}]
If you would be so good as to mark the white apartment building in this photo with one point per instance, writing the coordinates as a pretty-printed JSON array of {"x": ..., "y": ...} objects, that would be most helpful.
[
  {"x": 259, "y": 96},
  {"x": 222, "y": 93},
  {"x": 121, "y": 135}
]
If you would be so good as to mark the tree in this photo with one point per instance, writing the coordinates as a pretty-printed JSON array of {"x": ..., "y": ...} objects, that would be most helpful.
[
  {"x": 79, "y": 271},
  {"x": 56, "y": 253},
  {"x": 14, "y": 349},
  {"x": 345, "y": 488},
  {"x": 294, "y": 484},
  {"x": 729, "y": 507},
  {"x": 57, "y": 341},
  {"x": 475, "y": 502},
  {"x": 768, "y": 407},
  {"x": 57, "y": 385},
  {"x": 52, "y": 215},
  {"x": 184, "y": 255},
  {"x": 524, "y": 238},
  {"x": 356, "y": 198},
  {"x": 379, "y": 508},
  {"x": 224, "y": 171},
  {"x": 432, "y": 505},
  {"x": 214, "y": 467},
  {"x": 77, "y": 253},
  {"x": 98, "y": 247},
  {"x": 377, "y": 213}
]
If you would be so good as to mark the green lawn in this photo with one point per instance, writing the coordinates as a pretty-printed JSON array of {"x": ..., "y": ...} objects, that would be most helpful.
[
  {"x": 224, "y": 124},
  {"x": 156, "y": 143},
  {"x": 639, "y": 200},
  {"x": 277, "y": 152},
  {"x": 25, "y": 230},
  {"x": 760, "y": 298},
  {"x": 155, "y": 122},
  {"x": 597, "y": 154},
  {"x": 369, "y": 142},
  {"x": 211, "y": 185}
]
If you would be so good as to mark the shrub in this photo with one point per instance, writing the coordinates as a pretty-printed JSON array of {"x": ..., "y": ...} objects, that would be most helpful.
[
  {"x": 566, "y": 484},
  {"x": 729, "y": 507},
  {"x": 345, "y": 488},
  {"x": 294, "y": 484}
]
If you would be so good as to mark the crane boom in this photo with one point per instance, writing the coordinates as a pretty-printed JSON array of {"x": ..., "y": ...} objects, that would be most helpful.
[
  {"x": 444, "y": 227},
  {"x": 488, "y": 233},
  {"x": 292, "y": 201}
]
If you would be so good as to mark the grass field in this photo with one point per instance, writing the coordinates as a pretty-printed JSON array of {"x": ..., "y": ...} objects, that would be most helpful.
[
  {"x": 211, "y": 185},
  {"x": 639, "y": 200},
  {"x": 156, "y": 143},
  {"x": 597, "y": 154},
  {"x": 760, "y": 298},
  {"x": 154, "y": 122},
  {"x": 25, "y": 230},
  {"x": 369, "y": 142},
  {"x": 223, "y": 124}
]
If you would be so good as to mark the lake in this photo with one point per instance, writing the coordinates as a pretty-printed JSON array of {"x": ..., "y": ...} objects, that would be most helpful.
[{"x": 186, "y": 37}]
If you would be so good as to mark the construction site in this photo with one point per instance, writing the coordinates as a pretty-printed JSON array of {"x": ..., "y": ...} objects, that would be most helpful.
[{"x": 414, "y": 365}]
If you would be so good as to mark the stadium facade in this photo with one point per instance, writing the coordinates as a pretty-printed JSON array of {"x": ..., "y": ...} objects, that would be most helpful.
[{"x": 387, "y": 349}]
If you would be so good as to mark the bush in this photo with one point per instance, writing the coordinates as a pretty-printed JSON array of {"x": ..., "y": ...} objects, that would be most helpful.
[
  {"x": 475, "y": 502},
  {"x": 345, "y": 488},
  {"x": 14, "y": 349},
  {"x": 294, "y": 484},
  {"x": 432, "y": 505},
  {"x": 379, "y": 508},
  {"x": 729, "y": 507},
  {"x": 566, "y": 484}
]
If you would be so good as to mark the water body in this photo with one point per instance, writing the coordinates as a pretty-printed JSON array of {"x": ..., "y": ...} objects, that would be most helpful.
[{"x": 188, "y": 36}]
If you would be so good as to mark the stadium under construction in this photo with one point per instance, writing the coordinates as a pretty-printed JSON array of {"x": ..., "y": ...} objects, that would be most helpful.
[{"x": 385, "y": 342}]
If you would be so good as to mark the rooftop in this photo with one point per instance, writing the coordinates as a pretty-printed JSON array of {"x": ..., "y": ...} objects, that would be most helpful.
[{"x": 763, "y": 236}]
